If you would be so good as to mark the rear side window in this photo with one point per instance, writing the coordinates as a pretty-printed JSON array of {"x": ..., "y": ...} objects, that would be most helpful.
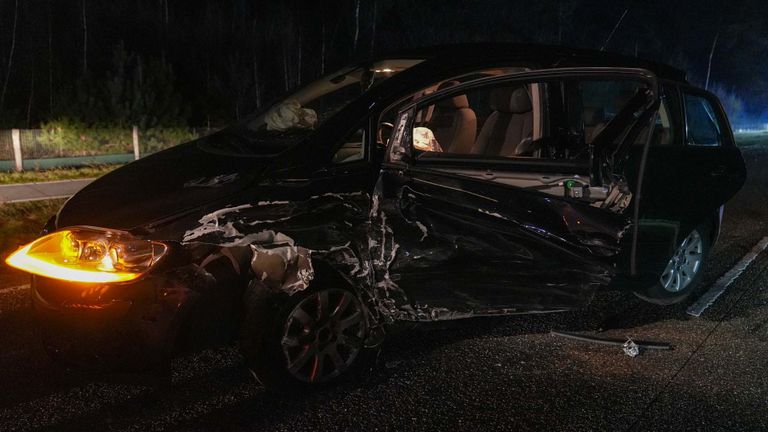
[
  {"x": 701, "y": 122},
  {"x": 602, "y": 100}
]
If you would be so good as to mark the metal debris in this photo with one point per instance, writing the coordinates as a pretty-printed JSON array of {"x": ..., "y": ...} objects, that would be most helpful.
[
  {"x": 211, "y": 223},
  {"x": 283, "y": 266},
  {"x": 631, "y": 348}
]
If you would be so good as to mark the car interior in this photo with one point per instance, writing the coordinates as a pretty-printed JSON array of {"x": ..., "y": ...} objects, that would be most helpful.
[
  {"x": 553, "y": 121},
  {"x": 453, "y": 122},
  {"x": 548, "y": 125},
  {"x": 534, "y": 135},
  {"x": 508, "y": 130},
  {"x": 500, "y": 121}
]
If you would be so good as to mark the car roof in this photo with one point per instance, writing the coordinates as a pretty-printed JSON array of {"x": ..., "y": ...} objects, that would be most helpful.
[{"x": 544, "y": 56}]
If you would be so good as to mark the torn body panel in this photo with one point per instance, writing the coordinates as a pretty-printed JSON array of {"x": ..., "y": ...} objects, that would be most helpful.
[
  {"x": 280, "y": 245},
  {"x": 195, "y": 294},
  {"x": 469, "y": 245},
  {"x": 411, "y": 253}
]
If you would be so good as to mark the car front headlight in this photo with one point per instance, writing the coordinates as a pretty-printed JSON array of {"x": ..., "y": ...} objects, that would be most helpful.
[{"x": 84, "y": 254}]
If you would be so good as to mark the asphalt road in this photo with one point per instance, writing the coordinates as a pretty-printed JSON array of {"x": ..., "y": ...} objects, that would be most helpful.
[
  {"x": 485, "y": 374},
  {"x": 40, "y": 191}
]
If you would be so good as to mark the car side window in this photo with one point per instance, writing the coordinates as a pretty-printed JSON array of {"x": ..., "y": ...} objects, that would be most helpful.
[
  {"x": 602, "y": 100},
  {"x": 501, "y": 120},
  {"x": 385, "y": 127},
  {"x": 701, "y": 123},
  {"x": 353, "y": 148},
  {"x": 664, "y": 130},
  {"x": 548, "y": 119}
]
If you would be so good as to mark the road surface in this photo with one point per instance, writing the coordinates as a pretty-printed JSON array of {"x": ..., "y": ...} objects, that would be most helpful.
[{"x": 20, "y": 192}]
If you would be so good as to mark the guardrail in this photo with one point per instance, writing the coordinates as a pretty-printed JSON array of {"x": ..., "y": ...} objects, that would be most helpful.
[{"x": 27, "y": 149}]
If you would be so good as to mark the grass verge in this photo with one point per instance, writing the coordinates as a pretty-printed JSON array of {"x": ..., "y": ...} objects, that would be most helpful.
[
  {"x": 21, "y": 223},
  {"x": 747, "y": 139},
  {"x": 56, "y": 174}
]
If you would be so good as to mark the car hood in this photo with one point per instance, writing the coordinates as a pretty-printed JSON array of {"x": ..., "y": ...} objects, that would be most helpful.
[{"x": 172, "y": 182}]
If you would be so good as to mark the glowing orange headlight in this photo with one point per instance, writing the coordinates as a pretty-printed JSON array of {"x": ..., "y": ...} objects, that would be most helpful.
[{"x": 87, "y": 255}]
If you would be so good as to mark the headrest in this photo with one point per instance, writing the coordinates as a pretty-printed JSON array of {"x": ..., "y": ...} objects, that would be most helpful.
[
  {"x": 456, "y": 102},
  {"x": 513, "y": 100},
  {"x": 593, "y": 116}
]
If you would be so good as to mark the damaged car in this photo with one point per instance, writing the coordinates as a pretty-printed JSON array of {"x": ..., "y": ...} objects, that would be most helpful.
[{"x": 447, "y": 183}]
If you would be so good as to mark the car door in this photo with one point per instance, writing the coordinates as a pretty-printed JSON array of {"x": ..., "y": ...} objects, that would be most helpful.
[
  {"x": 529, "y": 219},
  {"x": 692, "y": 170}
]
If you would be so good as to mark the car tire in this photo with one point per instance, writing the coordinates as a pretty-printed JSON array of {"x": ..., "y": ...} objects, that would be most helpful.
[
  {"x": 683, "y": 272},
  {"x": 291, "y": 343}
]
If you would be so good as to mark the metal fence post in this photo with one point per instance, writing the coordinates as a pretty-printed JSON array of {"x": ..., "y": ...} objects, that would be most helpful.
[
  {"x": 136, "y": 143},
  {"x": 16, "y": 137}
]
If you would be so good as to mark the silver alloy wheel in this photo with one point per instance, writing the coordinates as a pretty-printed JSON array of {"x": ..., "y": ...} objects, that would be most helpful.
[
  {"x": 323, "y": 335},
  {"x": 684, "y": 264}
]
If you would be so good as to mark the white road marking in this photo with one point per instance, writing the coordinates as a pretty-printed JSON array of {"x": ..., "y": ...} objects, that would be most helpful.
[
  {"x": 13, "y": 289},
  {"x": 22, "y": 192},
  {"x": 40, "y": 198},
  {"x": 725, "y": 280}
]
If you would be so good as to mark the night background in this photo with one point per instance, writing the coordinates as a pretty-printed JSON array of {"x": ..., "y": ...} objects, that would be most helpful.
[
  {"x": 195, "y": 63},
  {"x": 114, "y": 114}
]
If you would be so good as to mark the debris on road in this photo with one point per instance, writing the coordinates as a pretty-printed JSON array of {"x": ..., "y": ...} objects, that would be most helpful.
[{"x": 630, "y": 347}]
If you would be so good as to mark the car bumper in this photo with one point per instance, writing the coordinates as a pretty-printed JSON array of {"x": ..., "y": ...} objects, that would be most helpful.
[{"x": 121, "y": 328}]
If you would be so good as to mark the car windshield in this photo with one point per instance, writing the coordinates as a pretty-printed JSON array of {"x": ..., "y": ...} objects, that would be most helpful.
[{"x": 310, "y": 106}]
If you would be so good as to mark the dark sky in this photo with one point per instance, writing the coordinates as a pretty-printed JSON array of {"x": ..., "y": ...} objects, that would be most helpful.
[{"x": 191, "y": 62}]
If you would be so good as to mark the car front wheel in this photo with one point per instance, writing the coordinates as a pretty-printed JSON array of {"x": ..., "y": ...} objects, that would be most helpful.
[
  {"x": 303, "y": 340},
  {"x": 683, "y": 272}
]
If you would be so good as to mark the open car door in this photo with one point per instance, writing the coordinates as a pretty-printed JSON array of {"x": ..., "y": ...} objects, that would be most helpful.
[
  {"x": 692, "y": 168},
  {"x": 529, "y": 217}
]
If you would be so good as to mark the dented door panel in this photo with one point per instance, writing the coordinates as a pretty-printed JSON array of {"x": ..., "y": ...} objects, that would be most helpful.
[{"x": 476, "y": 246}]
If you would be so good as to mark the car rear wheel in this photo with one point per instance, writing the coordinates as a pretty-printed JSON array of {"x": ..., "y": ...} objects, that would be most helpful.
[
  {"x": 683, "y": 272},
  {"x": 304, "y": 340}
]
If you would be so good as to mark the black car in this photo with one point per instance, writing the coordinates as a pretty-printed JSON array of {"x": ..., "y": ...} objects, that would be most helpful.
[{"x": 447, "y": 183}]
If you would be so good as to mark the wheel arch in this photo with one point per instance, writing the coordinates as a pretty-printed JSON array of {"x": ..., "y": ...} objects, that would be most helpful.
[
  {"x": 325, "y": 275},
  {"x": 266, "y": 310}
]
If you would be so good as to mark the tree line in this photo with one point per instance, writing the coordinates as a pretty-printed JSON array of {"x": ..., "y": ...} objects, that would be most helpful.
[{"x": 199, "y": 63}]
